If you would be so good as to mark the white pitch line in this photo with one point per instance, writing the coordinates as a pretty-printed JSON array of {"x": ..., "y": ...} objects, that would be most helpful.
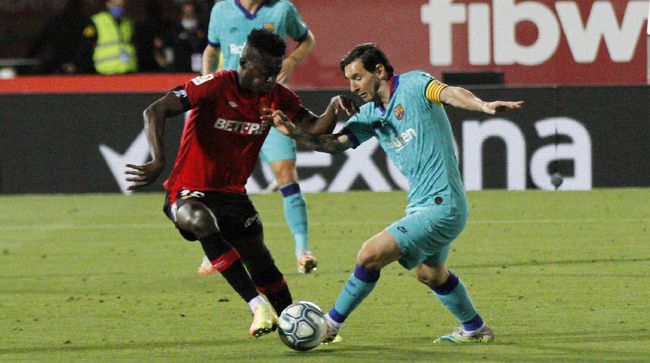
[{"x": 62, "y": 226}]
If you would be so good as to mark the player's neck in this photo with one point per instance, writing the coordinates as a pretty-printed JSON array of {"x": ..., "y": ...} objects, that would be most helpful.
[
  {"x": 384, "y": 93},
  {"x": 251, "y": 5}
]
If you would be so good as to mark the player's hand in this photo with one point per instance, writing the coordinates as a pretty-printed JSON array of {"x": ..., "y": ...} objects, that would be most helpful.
[
  {"x": 498, "y": 106},
  {"x": 279, "y": 120},
  {"x": 344, "y": 103},
  {"x": 143, "y": 175}
]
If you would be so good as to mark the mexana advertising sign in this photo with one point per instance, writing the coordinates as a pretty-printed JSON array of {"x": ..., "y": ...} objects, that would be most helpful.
[{"x": 531, "y": 41}]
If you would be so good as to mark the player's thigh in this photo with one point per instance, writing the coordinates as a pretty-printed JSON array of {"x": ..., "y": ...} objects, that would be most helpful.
[
  {"x": 425, "y": 235},
  {"x": 378, "y": 251},
  {"x": 277, "y": 147}
]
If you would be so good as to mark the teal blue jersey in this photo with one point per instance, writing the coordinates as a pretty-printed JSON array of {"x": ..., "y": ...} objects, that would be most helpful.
[
  {"x": 230, "y": 24},
  {"x": 416, "y": 135}
]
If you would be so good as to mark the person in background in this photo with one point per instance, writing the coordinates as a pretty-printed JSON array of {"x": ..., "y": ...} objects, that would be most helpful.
[
  {"x": 111, "y": 33},
  {"x": 188, "y": 40},
  {"x": 151, "y": 38},
  {"x": 230, "y": 23},
  {"x": 62, "y": 46}
]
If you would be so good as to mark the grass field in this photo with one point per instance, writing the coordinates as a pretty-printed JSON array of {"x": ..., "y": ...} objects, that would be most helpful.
[{"x": 560, "y": 276}]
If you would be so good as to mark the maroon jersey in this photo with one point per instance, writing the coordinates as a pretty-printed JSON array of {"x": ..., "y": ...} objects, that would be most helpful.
[{"x": 222, "y": 138}]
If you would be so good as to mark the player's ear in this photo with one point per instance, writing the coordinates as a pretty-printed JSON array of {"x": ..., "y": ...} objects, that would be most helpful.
[{"x": 381, "y": 73}]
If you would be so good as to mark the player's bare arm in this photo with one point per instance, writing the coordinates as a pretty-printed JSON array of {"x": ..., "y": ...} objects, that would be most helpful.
[
  {"x": 462, "y": 98},
  {"x": 329, "y": 143},
  {"x": 154, "y": 124},
  {"x": 325, "y": 123},
  {"x": 210, "y": 57},
  {"x": 302, "y": 50}
]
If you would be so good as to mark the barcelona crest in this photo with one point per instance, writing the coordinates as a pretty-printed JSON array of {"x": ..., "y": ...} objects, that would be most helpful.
[
  {"x": 269, "y": 26},
  {"x": 399, "y": 111}
]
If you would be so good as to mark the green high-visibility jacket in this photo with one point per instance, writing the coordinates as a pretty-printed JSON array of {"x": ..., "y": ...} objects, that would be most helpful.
[{"x": 114, "y": 52}]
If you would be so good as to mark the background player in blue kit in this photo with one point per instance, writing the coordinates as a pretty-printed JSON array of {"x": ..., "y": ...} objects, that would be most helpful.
[
  {"x": 230, "y": 23},
  {"x": 406, "y": 115}
]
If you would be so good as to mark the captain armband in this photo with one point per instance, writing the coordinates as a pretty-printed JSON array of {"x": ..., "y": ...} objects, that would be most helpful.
[{"x": 433, "y": 90}]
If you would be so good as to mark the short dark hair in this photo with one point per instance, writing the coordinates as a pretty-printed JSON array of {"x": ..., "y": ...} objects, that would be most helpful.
[
  {"x": 370, "y": 55},
  {"x": 267, "y": 42}
]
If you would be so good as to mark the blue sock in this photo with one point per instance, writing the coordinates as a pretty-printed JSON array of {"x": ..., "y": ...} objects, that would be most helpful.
[
  {"x": 358, "y": 286},
  {"x": 454, "y": 296},
  {"x": 295, "y": 212}
]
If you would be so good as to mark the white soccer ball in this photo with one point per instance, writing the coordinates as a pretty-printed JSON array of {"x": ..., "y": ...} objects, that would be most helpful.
[{"x": 302, "y": 326}]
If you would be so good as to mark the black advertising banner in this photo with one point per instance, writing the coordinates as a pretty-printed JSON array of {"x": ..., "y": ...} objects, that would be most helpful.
[{"x": 591, "y": 136}]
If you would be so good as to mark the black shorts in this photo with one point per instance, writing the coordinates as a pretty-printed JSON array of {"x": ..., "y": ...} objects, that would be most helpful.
[{"x": 236, "y": 216}]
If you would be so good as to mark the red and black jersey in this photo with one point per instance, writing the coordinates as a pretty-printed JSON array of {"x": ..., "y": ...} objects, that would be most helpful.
[{"x": 222, "y": 138}]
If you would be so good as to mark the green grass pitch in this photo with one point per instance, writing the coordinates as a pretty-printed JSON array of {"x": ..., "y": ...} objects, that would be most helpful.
[{"x": 560, "y": 276}]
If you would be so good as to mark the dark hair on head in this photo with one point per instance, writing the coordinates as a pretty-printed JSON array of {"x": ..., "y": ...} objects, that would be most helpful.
[
  {"x": 267, "y": 42},
  {"x": 370, "y": 55}
]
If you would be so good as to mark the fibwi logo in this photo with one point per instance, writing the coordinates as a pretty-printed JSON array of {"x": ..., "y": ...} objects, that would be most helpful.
[
  {"x": 399, "y": 112},
  {"x": 269, "y": 26}
]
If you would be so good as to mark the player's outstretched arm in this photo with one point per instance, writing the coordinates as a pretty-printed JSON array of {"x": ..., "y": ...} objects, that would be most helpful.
[
  {"x": 329, "y": 143},
  {"x": 154, "y": 125},
  {"x": 462, "y": 98},
  {"x": 325, "y": 123}
]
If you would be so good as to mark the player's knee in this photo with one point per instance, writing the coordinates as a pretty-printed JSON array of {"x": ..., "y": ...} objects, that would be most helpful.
[
  {"x": 196, "y": 219},
  {"x": 285, "y": 171},
  {"x": 432, "y": 277},
  {"x": 369, "y": 258}
]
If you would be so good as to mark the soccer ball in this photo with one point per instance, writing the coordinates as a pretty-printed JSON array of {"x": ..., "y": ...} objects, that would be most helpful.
[{"x": 302, "y": 326}]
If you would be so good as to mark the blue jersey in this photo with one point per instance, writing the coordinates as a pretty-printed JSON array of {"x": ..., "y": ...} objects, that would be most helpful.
[
  {"x": 416, "y": 135},
  {"x": 230, "y": 24}
]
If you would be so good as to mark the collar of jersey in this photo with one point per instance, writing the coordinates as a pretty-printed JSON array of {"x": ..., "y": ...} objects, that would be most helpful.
[
  {"x": 245, "y": 11},
  {"x": 394, "y": 83}
]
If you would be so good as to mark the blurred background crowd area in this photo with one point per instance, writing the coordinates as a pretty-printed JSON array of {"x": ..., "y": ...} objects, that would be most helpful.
[{"x": 51, "y": 36}]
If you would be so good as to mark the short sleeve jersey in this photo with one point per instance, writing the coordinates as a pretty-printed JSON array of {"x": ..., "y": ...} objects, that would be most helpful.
[
  {"x": 416, "y": 135},
  {"x": 222, "y": 138},
  {"x": 230, "y": 24}
]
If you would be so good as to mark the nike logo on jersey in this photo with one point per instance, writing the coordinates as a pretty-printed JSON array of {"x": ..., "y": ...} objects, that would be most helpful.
[{"x": 240, "y": 127}]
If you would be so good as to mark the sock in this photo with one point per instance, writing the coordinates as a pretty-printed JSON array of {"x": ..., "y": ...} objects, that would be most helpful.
[
  {"x": 358, "y": 286},
  {"x": 454, "y": 296},
  {"x": 225, "y": 259},
  {"x": 278, "y": 294},
  {"x": 257, "y": 300},
  {"x": 295, "y": 212}
]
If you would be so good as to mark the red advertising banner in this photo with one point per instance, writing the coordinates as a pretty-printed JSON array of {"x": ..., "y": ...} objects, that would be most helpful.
[{"x": 531, "y": 41}]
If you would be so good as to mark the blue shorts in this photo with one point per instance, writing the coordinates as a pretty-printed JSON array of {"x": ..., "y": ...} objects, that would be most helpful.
[
  {"x": 425, "y": 234},
  {"x": 277, "y": 147}
]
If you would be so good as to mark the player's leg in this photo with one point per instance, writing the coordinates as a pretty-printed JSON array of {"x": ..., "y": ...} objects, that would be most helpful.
[
  {"x": 264, "y": 272},
  {"x": 377, "y": 252},
  {"x": 451, "y": 291},
  {"x": 195, "y": 217},
  {"x": 280, "y": 152}
]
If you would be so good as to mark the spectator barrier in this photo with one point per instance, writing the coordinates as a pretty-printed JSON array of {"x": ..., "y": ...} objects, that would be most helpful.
[{"x": 74, "y": 135}]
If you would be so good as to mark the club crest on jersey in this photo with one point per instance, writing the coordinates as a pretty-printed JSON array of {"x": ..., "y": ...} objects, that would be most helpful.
[
  {"x": 399, "y": 112},
  {"x": 269, "y": 26}
]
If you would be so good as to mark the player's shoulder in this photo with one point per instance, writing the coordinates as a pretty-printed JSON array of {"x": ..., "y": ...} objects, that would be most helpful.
[
  {"x": 415, "y": 76},
  {"x": 223, "y": 7},
  {"x": 283, "y": 5}
]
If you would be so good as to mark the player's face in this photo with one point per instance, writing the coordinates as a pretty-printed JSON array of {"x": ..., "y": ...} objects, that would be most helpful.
[
  {"x": 258, "y": 72},
  {"x": 363, "y": 83}
]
